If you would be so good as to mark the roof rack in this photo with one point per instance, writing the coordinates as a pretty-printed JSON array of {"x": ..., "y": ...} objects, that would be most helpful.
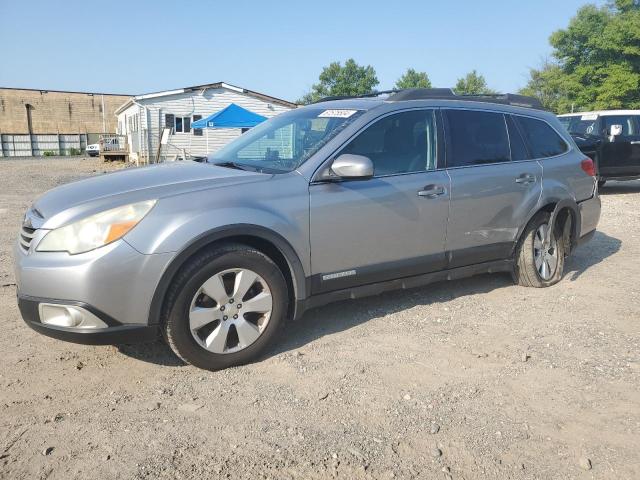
[
  {"x": 364, "y": 95},
  {"x": 447, "y": 93}
]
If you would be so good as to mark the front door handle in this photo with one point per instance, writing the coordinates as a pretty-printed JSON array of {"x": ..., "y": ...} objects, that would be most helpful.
[
  {"x": 432, "y": 191},
  {"x": 526, "y": 178}
]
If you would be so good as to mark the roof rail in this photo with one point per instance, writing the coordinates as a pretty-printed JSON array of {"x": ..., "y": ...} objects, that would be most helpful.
[
  {"x": 421, "y": 93},
  {"x": 502, "y": 98},
  {"x": 364, "y": 95},
  {"x": 447, "y": 93}
]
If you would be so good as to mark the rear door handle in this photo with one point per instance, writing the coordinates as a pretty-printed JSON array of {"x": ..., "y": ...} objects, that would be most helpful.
[
  {"x": 432, "y": 191},
  {"x": 526, "y": 178}
]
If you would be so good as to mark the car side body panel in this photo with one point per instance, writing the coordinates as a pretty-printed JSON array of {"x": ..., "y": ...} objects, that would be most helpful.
[{"x": 488, "y": 208}]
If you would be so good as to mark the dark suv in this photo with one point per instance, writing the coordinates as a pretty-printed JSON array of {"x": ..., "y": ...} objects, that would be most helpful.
[{"x": 611, "y": 138}]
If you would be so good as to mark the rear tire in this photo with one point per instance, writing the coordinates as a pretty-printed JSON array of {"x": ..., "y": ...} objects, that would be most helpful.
[
  {"x": 219, "y": 313},
  {"x": 535, "y": 265}
]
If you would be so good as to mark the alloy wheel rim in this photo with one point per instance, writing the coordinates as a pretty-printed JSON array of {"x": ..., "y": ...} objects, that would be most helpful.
[
  {"x": 230, "y": 311},
  {"x": 545, "y": 256}
]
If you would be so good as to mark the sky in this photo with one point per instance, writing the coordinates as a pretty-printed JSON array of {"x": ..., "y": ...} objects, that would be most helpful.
[{"x": 273, "y": 47}]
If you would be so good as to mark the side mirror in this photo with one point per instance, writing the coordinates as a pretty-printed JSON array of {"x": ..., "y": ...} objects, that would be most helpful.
[
  {"x": 615, "y": 130},
  {"x": 351, "y": 166}
]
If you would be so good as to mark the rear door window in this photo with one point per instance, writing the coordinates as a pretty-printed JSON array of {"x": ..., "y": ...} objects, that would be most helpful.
[
  {"x": 476, "y": 138},
  {"x": 543, "y": 140}
]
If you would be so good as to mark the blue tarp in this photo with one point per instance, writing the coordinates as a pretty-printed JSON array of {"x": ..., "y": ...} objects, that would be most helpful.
[{"x": 232, "y": 116}]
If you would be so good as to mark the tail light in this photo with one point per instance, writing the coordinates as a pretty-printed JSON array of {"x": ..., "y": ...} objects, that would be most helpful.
[{"x": 588, "y": 167}]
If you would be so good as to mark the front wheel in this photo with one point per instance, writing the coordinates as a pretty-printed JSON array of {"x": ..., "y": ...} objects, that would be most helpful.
[
  {"x": 540, "y": 263},
  {"x": 225, "y": 307}
]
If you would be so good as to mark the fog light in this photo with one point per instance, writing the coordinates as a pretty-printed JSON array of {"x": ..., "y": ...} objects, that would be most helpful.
[{"x": 70, "y": 316}]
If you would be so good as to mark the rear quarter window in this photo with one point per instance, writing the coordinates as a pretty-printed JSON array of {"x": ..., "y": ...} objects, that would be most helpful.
[{"x": 543, "y": 140}]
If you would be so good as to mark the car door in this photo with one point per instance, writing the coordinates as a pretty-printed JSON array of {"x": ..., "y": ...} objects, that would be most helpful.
[
  {"x": 392, "y": 225},
  {"x": 620, "y": 154},
  {"x": 494, "y": 185}
]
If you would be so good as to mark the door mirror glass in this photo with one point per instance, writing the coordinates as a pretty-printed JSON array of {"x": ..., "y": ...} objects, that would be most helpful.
[
  {"x": 615, "y": 130},
  {"x": 352, "y": 166}
]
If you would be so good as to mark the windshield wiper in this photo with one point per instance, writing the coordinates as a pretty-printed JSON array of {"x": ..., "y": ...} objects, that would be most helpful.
[{"x": 237, "y": 166}]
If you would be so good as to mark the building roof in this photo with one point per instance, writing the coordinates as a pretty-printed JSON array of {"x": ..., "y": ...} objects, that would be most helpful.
[
  {"x": 46, "y": 90},
  {"x": 195, "y": 88}
]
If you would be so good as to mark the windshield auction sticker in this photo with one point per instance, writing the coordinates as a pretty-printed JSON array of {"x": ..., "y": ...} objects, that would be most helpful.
[
  {"x": 589, "y": 117},
  {"x": 337, "y": 113}
]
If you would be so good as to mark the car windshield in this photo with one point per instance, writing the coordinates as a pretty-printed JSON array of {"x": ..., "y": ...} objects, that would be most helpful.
[
  {"x": 284, "y": 142},
  {"x": 580, "y": 124}
]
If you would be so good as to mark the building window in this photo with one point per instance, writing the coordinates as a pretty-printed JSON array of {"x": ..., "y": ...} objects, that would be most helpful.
[
  {"x": 197, "y": 132},
  {"x": 169, "y": 121},
  {"x": 133, "y": 123},
  {"x": 182, "y": 125}
]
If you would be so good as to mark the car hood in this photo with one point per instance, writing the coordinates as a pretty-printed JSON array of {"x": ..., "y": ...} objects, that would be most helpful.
[{"x": 76, "y": 200}]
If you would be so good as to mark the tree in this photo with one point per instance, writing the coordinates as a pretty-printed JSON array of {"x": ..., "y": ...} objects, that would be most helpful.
[
  {"x": 337, "y": 80},
  {"x": 413, "y": 79},
  {"x": 597, "y": 60},
  {"x": 472, "y": 83},
  {"x": 549, "y": 84}
]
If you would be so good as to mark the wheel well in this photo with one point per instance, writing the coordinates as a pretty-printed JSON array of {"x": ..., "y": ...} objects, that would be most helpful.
[
  {"x": 260, "y": 244},
  {"x": 562, "y": 216},
  {"x": 274, "y": 253}
]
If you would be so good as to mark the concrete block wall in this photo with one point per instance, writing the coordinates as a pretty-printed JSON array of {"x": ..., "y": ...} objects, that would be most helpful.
[{"x": 57, "y": 112}]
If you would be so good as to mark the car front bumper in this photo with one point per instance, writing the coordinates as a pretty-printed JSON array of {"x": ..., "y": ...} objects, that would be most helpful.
[
  {"x": 113, "y": 286},
  {"x": 114, "y": 334}
]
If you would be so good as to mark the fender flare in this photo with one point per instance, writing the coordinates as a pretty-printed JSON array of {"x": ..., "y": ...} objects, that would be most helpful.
[
  {"x": 569, "y": 203},
  {"x": 220, "y": 234}
]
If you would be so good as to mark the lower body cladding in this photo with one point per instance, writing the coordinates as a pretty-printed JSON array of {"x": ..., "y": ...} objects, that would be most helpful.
[{"x": 99, "y": 297}]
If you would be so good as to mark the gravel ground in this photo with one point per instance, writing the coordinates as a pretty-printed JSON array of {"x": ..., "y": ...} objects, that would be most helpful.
[{"x": 473, "y": 379}]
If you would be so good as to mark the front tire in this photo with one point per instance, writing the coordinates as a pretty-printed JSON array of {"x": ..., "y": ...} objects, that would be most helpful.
[
  {"x": 537, "y": 264},
  {"x": 225, "y": 307}
]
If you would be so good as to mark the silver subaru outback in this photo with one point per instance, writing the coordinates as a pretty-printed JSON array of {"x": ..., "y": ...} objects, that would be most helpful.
[{"x": 341, "y": 199}]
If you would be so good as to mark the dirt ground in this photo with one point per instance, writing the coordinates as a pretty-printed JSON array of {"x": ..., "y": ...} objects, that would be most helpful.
[{"x": 473, "y": 379}]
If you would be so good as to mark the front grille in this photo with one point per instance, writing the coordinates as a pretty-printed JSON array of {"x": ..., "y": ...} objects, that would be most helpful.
[{"x": 26, "y": 236}]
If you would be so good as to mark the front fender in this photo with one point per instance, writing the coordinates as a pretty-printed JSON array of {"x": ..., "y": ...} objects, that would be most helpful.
[{"x": 274, "y": 211}]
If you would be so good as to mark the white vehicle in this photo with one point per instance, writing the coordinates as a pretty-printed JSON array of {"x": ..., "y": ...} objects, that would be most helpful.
[{"x": 93, "y": 150}]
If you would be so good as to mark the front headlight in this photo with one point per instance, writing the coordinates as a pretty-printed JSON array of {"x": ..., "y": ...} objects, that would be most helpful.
[{"x": 95, "y": 231}]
